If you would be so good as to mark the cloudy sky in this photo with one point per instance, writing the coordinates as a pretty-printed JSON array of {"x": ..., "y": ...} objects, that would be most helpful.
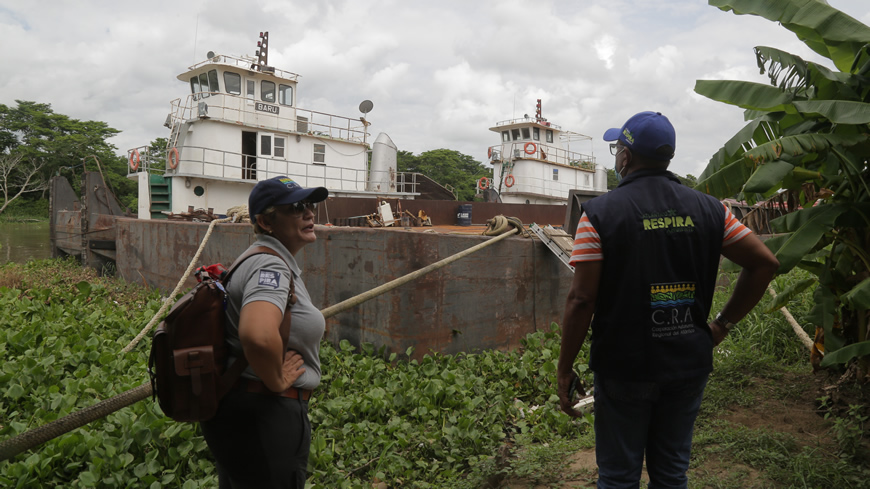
[{"x": 440, "y": 74}]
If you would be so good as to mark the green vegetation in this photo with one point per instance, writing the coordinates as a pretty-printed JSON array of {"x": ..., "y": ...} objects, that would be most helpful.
[
  {"x": 461, "y": 421},
  {"x": 806, "y": 149},
  {"x": 447, "y": 167},
  {"x": 36, "y": 143}
]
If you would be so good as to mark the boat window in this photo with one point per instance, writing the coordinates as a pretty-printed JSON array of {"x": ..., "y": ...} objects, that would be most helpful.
[
  {"x": 233, "y": 83},
  {"x": 549, "y": 136},
  {"x": 267, "y": 91},
  {"x": 526, "y": 134},
  {"x": 213, "y": 81},
  {"x": 266, "y": 145},
  {"x": 285, "y": 95},
  {"x": 279, "y": 147},
  {"x": 555, "y": 173},
  {"x": 536, "y": 133},
  {"x": 505, "y": 136},
  {"x": 203, "y": 85},
  {"x": 516, "y": 134},
  {"x": 249, "y": 89},
  {"x": 320, "y": 153},
  {"x": 194, "y": 87}
]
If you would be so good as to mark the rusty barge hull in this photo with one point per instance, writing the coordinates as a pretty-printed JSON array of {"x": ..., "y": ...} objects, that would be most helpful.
[{"x": 490, "y": 299}]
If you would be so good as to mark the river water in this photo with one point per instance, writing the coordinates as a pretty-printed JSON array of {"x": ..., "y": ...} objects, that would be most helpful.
[{"x": 22, "y": 242}]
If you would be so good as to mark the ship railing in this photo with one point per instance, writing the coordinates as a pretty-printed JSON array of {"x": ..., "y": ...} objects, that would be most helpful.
[
  {"x": 245, "y": 63},
  {"x": 545, "y": 186},
  {"x": 201, "y": 162},
  {"x": 521, "y": 150},
  {"x": 239, "y": 110},
  {"x": 526, "y": 120},
  {"x": 146, "y": 159}
]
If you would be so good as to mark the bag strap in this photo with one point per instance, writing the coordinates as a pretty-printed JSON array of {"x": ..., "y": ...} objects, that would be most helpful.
[{"x": 231, "y": 376}]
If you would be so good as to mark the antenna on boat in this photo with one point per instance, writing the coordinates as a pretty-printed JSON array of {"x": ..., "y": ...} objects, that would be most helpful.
[
  {"x": 365, "y": 107},
  {"x": 262, "y": 53}
]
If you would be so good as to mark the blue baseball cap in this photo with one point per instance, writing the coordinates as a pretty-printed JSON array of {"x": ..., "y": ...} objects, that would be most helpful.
[
  {"x": 281, "y": 191},
  {"x": 644, "y": 134}
]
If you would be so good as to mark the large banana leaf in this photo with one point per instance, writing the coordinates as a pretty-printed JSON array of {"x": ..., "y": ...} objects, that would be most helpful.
[
  {"x": 791, "y": 248},
  {"x": 767, "y": 176},
  {"x": 793, "y": 221},
  {"x": 823, "y": 28},
  {"x": 788, "y": 70},
  {"x": 748, "y": 95},
  {"x": 726, "y": 175},
  {"x": 846, "y": 353},
  {"x": 859, "y": 296},
  {"x": 756, "y": 132},
  {"x": 837, "y": 111}
]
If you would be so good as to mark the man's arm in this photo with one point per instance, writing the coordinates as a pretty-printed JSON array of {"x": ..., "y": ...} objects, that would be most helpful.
[
  {"x": 575, "y": 325},
  {"x": 759, "y": 267}
]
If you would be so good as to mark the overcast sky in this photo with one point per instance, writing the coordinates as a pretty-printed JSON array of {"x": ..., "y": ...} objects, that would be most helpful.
[{"x": 440, "y": 74}]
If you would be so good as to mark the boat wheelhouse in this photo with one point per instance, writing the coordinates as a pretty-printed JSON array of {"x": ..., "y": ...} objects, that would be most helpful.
[
  {"x": 534, "y": 163},
  {"x": 240, "y": 124}
]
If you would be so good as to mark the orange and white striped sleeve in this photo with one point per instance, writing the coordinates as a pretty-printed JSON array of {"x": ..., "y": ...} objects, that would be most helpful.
[
  {"x": 587, "y": 243},
  {"x": 734, "y": 229}
]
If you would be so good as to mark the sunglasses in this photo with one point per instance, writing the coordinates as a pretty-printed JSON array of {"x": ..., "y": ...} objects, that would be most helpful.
[{"x": 300, "y": 207}]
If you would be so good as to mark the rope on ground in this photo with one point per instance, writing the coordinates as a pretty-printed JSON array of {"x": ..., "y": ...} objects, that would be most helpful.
[
  {"x": 501, "y": 224},
  {"x": 804, "y": 337}
]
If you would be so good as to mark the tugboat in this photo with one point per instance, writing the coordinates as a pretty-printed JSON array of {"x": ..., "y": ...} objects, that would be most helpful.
[
  {"x": 240, "y": 124},
  {"x": 534, "y": 164}
]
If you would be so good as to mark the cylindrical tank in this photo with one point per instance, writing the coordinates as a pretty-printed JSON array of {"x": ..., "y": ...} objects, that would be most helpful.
[
  {"x": 599, "y": 181},
  {"x": 463, "y": 216},
  {"x": 382, "y": 175}
]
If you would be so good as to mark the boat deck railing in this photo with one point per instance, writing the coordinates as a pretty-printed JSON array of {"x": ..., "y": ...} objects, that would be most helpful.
[
  {"x": 239, "y": 110},
  {"x": 542, "y": 152},
  {"x": 543, "y": 186},
  {"x": 201, "y": 162},
  {"x": 244, "y": 62}
]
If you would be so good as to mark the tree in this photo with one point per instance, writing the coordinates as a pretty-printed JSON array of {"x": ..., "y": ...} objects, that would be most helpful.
[
  {"x": 61, "y": 145},
  {"x": 447, "y": 167},
  {"x": 18, "y": 177},
  {"x": 806, "y": 149}
]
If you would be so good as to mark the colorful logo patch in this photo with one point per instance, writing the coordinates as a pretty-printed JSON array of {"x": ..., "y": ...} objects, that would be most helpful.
[
  {"x": 269, "y": 278},
  {"x": 288, "y": 182},
  {"x": 670, "y": 295},
  {"x": 628, "y": 136}
]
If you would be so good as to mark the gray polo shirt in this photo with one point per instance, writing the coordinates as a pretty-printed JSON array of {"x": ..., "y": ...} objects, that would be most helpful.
[{"x": 266, "y": 278}]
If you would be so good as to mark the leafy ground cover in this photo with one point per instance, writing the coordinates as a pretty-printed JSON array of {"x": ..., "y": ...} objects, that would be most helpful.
[{"x": 485, "y": 419}]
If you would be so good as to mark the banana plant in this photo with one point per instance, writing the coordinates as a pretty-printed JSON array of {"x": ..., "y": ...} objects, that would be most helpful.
[{"x": 807, "y": 143}]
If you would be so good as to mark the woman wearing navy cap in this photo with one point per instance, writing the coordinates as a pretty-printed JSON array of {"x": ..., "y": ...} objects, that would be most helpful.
[{"x": 260, "y": 436}]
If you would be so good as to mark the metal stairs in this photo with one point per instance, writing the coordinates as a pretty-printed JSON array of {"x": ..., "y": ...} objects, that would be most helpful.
[
  {"x": 559, "y": 242},
  {"x": 160, "y": 190}
]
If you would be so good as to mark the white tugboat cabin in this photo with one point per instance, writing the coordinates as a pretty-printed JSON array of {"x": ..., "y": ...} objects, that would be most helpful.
[
  {"x": 240, "y": 124},
  {"x": 534, "y": 163}
]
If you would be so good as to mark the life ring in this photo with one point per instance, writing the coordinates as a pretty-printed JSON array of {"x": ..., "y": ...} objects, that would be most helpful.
[
  {"x": 173, "y": 162},
  {"x": 483, "y": 183},
  {"x": 134, "y": 160},
  {"x": 509, "y": 181},
  {"x": 530, "y": 148}
]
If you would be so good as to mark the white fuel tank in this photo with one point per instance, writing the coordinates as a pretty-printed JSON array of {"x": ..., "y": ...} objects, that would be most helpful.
[{"x": 382, "y": 176}]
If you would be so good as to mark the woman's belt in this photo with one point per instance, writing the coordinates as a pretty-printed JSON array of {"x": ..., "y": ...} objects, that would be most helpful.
[{"x": 258, "y": 387}]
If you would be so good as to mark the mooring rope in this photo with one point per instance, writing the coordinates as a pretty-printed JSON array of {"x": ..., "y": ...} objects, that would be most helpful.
[{"x": 37, "y": 436}]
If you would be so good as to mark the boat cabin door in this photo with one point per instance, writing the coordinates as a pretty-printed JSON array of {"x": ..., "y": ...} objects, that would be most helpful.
[{"x": 249, "y": 155}]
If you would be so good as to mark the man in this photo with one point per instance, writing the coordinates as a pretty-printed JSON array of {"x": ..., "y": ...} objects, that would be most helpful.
[{"x": 646, "y": 258}]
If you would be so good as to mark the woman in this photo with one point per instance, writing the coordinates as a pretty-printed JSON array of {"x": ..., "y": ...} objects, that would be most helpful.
[{"x": 260, "y": 436}]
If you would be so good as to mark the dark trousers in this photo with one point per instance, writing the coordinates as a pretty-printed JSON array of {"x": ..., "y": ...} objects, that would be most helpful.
[
  {"x": 633, "y": 419},
  {"x": 260, "y": 441}
]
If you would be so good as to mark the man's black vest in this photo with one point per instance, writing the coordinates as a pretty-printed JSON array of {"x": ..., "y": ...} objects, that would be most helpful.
[{"x": 661, "y": 242}]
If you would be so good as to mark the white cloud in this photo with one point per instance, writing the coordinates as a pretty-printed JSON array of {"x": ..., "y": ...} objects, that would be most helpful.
[{"x": 440, "y": 74}]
